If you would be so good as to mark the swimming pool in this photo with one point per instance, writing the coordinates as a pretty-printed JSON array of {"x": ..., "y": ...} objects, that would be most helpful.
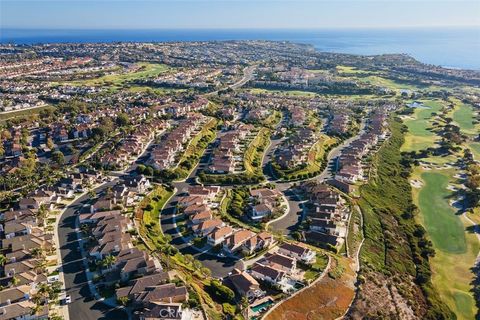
[{"x": 262, "y": 306}]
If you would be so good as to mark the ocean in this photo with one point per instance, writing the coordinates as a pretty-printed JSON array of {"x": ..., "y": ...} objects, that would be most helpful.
[{"x": 448, "y": 47}]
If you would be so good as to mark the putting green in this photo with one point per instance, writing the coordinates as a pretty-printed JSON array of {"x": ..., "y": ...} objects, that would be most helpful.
[{"x": 419, "y": 135}]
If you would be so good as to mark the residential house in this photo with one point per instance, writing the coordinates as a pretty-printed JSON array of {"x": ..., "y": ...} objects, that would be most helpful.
[
  {"x": 245, "y": 285},
  {"x": 297, "y": 251}
]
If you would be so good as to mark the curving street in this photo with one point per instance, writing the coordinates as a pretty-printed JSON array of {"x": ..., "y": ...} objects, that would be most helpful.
[
  {"x": 294, "y": 217},
  {"x": 84, "y": 305},
  {"x": 220, "y": 266}
]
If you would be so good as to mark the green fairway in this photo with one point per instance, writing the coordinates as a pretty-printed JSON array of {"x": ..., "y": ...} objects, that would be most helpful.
[
  {"x": 145, "y": 70},
  {"x": 463, "y": 116},
  {"x": 388, "y": 83},
  {"x": 443, "y": 226},
  {"x": 158, "y": 91},
  {"x": 419, "y": 134},
  {"x": 463, "y": 303},
  {"x": 284, "y": 92},
  {"x": 455, "y": 249},
  {"x": 29, "y": 113},
  {"x": 353, "y": 70},
  {"x": 475, "y": 147}
]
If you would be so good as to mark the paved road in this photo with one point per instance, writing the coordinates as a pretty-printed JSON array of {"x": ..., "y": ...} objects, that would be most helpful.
[
  {"x": 83, "y": 305},
  {"x": 290, "y": 222},
  {"x": 247, "y": 76},
  {"x": 220, "y": 267}
]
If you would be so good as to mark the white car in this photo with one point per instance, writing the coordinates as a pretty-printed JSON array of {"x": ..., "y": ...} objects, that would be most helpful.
[{"x": 68, "y": 299}]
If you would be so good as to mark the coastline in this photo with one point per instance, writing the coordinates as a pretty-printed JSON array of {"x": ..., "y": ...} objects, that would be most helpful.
[{"x": 451, "y": 48}]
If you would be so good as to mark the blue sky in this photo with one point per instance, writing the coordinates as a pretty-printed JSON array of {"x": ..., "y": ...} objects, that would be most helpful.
[{"x": 269, "y": 14}]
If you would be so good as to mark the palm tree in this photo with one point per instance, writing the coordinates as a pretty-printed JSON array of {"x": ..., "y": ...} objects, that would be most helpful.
[
  {"x": 108, "y": 261},
  {"x": 197, "y": 264},
  {"x": 3, "y": 259},
  {"x": 42, "y": 214},
  {"x": 43, "y": 290},
  {"x": 41, "y": 265},
  {"x": 244, "y": 307},
  {"x": 15, "y": 281},
  {"x": 36, "y": 252},
  {"x": 188, "y": 258},
  {"x": 205, "y": 272}
]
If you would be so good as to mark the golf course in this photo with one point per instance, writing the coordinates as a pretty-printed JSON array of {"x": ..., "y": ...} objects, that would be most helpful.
[
  {"x": 463, "y": 115},
  {"x": 435, "y": 194},
  {"x": 419, "y": 126},
  {"x": 143, "y": 71},
  {"x": 456, "y": 249}
]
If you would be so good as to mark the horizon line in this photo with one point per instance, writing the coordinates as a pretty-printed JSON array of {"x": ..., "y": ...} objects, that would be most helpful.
[{"x": 240, "y": 28}]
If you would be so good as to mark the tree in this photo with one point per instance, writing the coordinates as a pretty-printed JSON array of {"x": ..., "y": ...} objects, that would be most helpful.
[
  {"x": 244, "y": 307},
  {"x": 50, "y": 144},
  {"x": 42, "y": 213},
  {"x": 122, "y": 119},
  {"x": 206, "y": 272},
  {"x": 36, "y": 252},
  {"x": 189, "y": 258},
  {"x": 58, "y": 157},
  {"x": 221, "y": 292},
  {"x": 148, "y": 171},
  {"x": 3, "y": 260},
  {"x": 98, "y": 133},
  {"x": 197, "y": 264},
  {"x": 108, "y": 261},
  {"x": 140, "y": 168},
  {"x": 123, "y": 301},
  {"x": 15, "y": 281}
]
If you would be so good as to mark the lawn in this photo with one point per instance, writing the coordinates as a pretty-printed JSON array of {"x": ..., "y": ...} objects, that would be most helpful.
[
  {"x": 475, "y": 147},
  {"x": 463, "y": 116},
  {"x": 253, "y": 155},
  {"x": 419, "y": 136},
  {"x": 146, "y": 70},
  {"x": 456, "y": 250},
  {"x": 284, "y": 92},
  {"x": 273, "y": 119},
  {"x": 352, "y": 70},
  {"x": 195, "y": 149},
  {"x": 150, "y": 228},
  {"x": 158, "y": 91},
  {"x": 444, "y": 227},
  {"x": 315, "y": 161},
  {"x": 24, "y": 113},
  {"x": 390, "y": 84}
]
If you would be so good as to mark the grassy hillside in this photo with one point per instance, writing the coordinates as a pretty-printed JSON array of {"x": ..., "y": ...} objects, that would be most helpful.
[{"x": 395, "y": 271}]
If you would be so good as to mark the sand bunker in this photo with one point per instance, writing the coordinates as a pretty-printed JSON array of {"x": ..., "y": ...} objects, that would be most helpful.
[
  {"x": 452, "y": 187},
  {"x": 416, "y": 183}
]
